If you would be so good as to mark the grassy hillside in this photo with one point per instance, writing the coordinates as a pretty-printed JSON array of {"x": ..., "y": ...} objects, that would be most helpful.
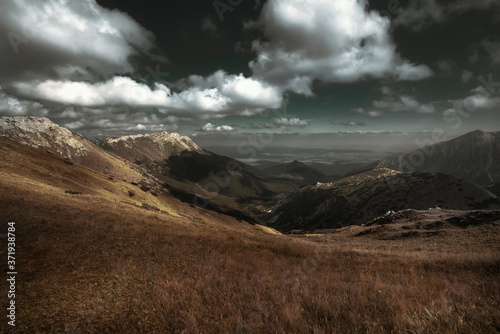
[
  {"x": 187, "y": 171},
  {"x": 357, "y": 199},
  {"x": 97, "y": 262}
]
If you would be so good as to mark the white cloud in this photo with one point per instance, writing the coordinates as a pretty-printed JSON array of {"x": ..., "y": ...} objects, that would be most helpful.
[
  {"x": 238, "y": 90},
  {"x": 153, "y": 127},
  {"x": 331, "y": 41},
  {"x": 218, "y": 93},
  {"x": 113, "y": 122},
  {"x": 290, "y": 122},
  {"x": 118, "y": 90},
  {"x": 210, "y": 127},
  {"x": 11, "y": 105},
  {"x": 480, "y": 99},
  {"x": 70, "y": 36}
]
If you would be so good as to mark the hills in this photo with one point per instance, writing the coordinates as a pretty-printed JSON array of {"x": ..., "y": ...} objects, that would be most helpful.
[
  {"x": 41, "y": 133},
  {"x": 176, "y": 165},
  {"x": 297, "y": 171},
  {"x": 474, "y": 156},
  {"x": 96, "y": 253},
  {"x": 199, "y": 176},
  {"x": 357, "y": 199}
]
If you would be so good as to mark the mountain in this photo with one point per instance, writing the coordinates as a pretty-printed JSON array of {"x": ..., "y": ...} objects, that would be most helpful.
[
  {"x": 153, "y": 147},
  {"x": 298, "y": 172},
  {"x": 41, "y": 133},
  {"x": 357, "y": 199},
  {"x": 474, "y": 156},
  {"x": 199, "y": 176}
]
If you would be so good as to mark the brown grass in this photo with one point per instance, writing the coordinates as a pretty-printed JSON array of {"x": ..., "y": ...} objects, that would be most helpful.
[{"x": 89, "y": 264}]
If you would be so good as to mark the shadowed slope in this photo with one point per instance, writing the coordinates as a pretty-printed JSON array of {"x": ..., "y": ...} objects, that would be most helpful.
[{"x": 359, "y": 198}]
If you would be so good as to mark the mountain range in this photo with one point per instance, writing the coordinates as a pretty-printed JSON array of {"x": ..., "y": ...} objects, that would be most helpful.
[
  {"x": 358, "y": 199},
  {"x": 286, "y": 196},
  {"x": 474, "y": 156}
]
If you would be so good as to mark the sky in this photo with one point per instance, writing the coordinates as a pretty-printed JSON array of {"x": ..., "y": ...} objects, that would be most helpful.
[{"x": 383, "y": 71}]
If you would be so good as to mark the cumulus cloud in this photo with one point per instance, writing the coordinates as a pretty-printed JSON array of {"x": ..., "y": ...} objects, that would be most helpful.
[
  {"x": 290, "y": 122},
  {"x": 114, "y": 91},
  {"x": 210, "y": 127},
  {"x": 69, "y": 38},
  {"x": 479, "y": 99},
  {"x": 281, "y": 122},
  {"x": 113, "y": 121},
  {"x": 11, "y": 105},
  {"x": 330, "y": 41},
  {"x": 217, "y": 93}
]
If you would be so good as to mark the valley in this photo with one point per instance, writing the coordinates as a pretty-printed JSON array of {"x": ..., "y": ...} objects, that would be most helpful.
[{"x": 114, "y": 250}]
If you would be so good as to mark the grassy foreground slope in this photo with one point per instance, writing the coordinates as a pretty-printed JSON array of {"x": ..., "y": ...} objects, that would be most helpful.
[{"x": 98, "y": 262}]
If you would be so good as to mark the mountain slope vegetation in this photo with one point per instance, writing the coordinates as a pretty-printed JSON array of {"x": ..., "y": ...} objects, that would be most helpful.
[
  {"x": 474, "y": 156},
  {"x": 97, "y": 254},
  {"x": 357, "y": 199}
]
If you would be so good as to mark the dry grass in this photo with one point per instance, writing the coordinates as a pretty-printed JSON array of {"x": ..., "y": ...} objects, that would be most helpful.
[{"x": 89, "y": 264}]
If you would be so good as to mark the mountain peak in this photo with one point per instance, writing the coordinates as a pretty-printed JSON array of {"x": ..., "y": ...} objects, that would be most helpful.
[
  {"x": 472, "y": 156},
  {"x": 29, "y": 124},
  {"x": 40, "y": 132},
  {"x": 159, "y": 138}
]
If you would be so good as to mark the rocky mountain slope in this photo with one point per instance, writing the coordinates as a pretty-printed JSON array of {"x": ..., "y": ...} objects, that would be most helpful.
[
  {"x": 357, "y": 199},
  {"x": 474, "y": 156},
  {"x": 157, "y": 146},
  {"x": 199, "y": 176},
  {"x": 41, "y": 133}
]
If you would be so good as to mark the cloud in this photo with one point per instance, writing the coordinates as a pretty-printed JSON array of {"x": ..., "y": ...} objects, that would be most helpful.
[
  {"x": 118, "y": 90},
  {"x": 114, "y": 121},
  {"x": 210, "y": 127},
  {"x": 218, "y": 93},
  {"x": 330, "y": 41},
  {"x": 69, "y": 38},
  {"x": 296, "y": 122},
  {"x": 480, "y": 99},
  {"x": 394, "y": 102},
  {"x": 10, "y": 105},
  {"x": 369, "y": 113},
  {"x": 281, "y": 122},
  {"x": 349, "y": 123},
  {"x": 421, "y": 14}
]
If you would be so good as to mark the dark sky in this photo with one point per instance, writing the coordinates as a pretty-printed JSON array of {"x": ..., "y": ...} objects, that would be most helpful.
[{"x": 235, "y": 66}]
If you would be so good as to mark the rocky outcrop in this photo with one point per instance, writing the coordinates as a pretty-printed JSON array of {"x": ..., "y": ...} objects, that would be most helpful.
[{"x": 42, "y": 133}]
